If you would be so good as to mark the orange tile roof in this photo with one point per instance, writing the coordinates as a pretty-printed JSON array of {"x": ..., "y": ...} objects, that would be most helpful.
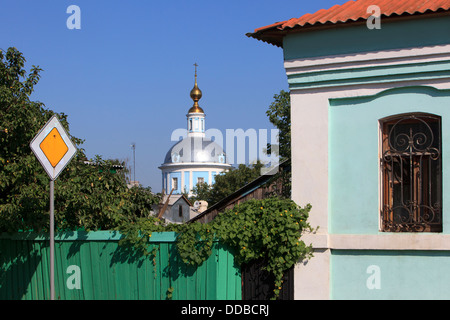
[{"x": 350, "y": 11}]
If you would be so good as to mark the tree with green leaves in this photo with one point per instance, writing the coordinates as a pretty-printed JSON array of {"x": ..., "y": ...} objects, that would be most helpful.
[
  {"x": 226, "y": 183},
  {"x": 86, "y": 196},
  {"x": 279, "y": 114}
]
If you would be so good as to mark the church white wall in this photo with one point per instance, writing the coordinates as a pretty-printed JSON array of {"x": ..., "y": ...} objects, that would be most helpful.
[{"x": 188, "y": 175}]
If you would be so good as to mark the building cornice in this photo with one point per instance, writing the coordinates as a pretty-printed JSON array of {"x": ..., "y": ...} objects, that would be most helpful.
[
  {"x": 185, "y": 165},
  {"x": 424, "y": 63}
]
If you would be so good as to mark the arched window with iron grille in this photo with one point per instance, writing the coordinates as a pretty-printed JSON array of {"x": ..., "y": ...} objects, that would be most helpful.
[{"x": 411, "y": 165}]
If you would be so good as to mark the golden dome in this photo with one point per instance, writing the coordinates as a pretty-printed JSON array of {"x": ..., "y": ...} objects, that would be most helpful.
[
  {"x": 196, "y": 95},
  {"x": 196, "y": 109}
]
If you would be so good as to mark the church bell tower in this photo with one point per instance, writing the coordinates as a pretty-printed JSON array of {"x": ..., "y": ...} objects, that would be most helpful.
[{"x": 196, "y": 115}]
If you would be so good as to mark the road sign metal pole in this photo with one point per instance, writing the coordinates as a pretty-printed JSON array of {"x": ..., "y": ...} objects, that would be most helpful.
[
  {"x": 52, "y": 241},
  {"x": 54, "y": 149}
]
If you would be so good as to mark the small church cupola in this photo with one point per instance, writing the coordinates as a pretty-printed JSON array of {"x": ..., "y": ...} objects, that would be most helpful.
[
  {"x": 196, "y": 95},
  {"x": 196, "y": 115}
]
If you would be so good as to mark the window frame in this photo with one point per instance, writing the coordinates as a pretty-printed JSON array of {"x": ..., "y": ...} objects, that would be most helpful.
[
  {"x": 398, "y": 213},
  {"x": 175, "y": 183}
]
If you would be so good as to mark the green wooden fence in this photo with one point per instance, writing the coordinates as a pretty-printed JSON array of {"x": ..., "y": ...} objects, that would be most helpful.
[{"x": 93, "y": 266}]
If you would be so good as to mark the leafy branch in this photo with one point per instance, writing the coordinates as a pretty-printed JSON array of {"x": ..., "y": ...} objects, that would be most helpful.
[{"x": 269, "y": 228}]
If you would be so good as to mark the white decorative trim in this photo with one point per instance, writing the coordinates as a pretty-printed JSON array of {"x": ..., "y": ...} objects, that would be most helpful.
[
  {"x": 391, "y": 241},
  {"x": 383, "y": 241},
  {"x": 196, "y": 165},
  {"x": 318, "y": 241},
  {"x": 368, "y": 59}
]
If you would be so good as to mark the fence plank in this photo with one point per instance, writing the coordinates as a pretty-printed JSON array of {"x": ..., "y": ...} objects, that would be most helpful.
[{"x": 109, "y": 271}]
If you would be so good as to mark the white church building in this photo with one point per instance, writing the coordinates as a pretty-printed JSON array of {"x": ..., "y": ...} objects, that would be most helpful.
[{"x": 195, "y": 158}]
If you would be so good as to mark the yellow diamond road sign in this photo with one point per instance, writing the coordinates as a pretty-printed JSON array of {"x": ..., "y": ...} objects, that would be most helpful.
[{"x": 53, "y": 148}]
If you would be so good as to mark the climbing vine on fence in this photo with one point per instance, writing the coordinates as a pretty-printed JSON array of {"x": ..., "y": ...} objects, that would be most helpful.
[{"x": 269, "y": 228}]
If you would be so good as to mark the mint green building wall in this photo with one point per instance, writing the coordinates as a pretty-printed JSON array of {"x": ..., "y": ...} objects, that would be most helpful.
[
  {"x": 371, "y": 275},
  {"x": 110, "y": 272},
  {"x": 354, "y": 205},
  {"x": 336, "y": 68},
  {"x": 354, "y": 153}
]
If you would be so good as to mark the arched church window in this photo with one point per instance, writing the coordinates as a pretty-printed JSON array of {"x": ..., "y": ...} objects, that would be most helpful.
[{"x": 175, "y": 183}]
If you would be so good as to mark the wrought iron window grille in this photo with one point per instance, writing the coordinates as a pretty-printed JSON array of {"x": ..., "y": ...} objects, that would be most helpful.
[{"x": 411, "y": 165}]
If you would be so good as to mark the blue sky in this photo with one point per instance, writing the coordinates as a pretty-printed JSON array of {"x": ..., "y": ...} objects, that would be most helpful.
[{"x": 125, "y": 76}]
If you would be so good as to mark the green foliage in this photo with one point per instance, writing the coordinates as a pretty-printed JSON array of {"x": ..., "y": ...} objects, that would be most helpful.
[
  {"x": 194, "y": 242},
  {"x": 279, "y": 114},
  {"x": 137, "y": 233},
  {"x": 170, "y": 293},
  {"x": 93, "y": 197},
  {"x": 202, "y": 191},
  {"x": 86, "y": 196},
  {"x": 269, "y": 228},
  {"x": 226, "y": 183}
]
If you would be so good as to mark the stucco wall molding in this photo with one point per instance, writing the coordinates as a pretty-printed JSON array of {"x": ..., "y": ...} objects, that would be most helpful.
[
  {"x": 390, "y": 241},
  {"x": 423, "y": 63},
  {"x": 382, "y": 241}
]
